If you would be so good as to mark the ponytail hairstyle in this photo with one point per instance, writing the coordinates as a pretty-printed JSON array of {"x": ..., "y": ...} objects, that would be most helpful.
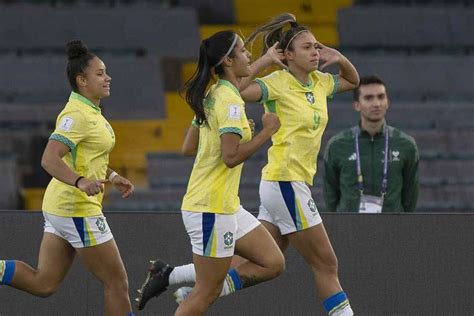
[
  {"x": 78, "y": 56},
  {"x": 276, "y": 30},
  {"x": 212, "y": 53}
]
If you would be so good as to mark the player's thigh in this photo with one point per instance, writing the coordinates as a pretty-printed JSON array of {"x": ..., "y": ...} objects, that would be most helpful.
[
  {"x": 55, "y": 258},
  {"x": 258, "y": 246},
  {"x": 281, "y": 241},
  {"x": 210, "y": 273},
  {"x": 104, "y": 262}
]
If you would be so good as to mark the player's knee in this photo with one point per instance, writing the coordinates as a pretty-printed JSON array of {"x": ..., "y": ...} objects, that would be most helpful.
[
  {"x": 276, "y": 266},
  {"x": 327, "y": 265},
  {"x": 117, "y": 284},
  {"x": 46, "y": 290}
]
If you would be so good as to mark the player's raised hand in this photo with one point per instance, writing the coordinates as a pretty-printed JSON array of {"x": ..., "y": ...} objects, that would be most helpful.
[
  {"x": 328, "y": 56},
  {"x": 276, "y": 55}
]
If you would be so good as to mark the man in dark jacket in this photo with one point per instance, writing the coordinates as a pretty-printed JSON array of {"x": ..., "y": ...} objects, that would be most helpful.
[{"x": 371, "y": 167}]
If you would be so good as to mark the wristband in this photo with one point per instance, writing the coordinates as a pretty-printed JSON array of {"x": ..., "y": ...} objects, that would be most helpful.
[
  {"x": 112, "y": 175},
  {"x": 77, "y": 181},
  {"x": 195, "y": 123}
]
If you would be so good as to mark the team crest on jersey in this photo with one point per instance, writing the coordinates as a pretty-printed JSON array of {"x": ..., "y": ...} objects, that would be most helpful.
[
  {"x": 309, "y": 97},
  {"x": 100, "y": 222},
  {"x": 228, "y": 239},
  {"x": 312, "y": 205}
]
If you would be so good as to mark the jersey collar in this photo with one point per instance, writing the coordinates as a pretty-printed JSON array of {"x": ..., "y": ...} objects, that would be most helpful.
[
  {"x": 309, "y": 85},
  {"x": 77, "y": 96},
  {"x": 230, "y": 85}
]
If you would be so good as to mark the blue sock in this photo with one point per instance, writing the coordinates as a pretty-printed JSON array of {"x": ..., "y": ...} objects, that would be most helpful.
[
  {"x": 234, "y": 278},
  {"x": 131, "y": 314},
  {"x": 7, "y": 270},
  {"x": 335, "y": 302}
]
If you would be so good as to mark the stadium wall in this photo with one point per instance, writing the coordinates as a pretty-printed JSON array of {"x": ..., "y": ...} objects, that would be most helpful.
[{"x": 390, "y": 264}]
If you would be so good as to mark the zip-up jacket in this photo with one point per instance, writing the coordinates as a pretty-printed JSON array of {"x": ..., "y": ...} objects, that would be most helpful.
[{"x": 341, "y": 192}]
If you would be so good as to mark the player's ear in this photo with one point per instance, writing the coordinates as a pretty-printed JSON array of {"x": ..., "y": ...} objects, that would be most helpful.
[{"x": 356, "y": 106}]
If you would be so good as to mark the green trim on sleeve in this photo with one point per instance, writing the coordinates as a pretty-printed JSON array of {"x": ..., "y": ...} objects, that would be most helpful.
[
  {"x": 336, "y": 86},
  {"x": 73, "y": 148},
  {"x": 271, "y": 106},
  {"x": 264, "y": 89},
  {"x": 233, "y": 130},
  {"x": 60, "y": 138}
]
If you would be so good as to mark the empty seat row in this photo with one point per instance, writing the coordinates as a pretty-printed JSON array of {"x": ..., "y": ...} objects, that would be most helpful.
[
  {"x": 415, "y": 27},
  {"x": 420, "y": 76},
  {"x": 211, "y": 11},
  {"x": 417, "y": 2},
  {"x": 136, "y": 90},
  {"x": 9, "y": 183},
  {"x": 306, "y": 11},
  {"x": 410, "y": 115},
  {"x": 163, "y": 32}
]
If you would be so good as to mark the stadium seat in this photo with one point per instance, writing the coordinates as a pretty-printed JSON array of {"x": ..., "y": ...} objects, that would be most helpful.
[
  {"x": 135, "y": 138},
  {"x": 210, "y": 11},
  {"x": 124, "y": 29},
  {"x": 33, "y": 198},
  {"x": 9, "y": 184},
  {"x": 168, "y": 168},
  {"x": 406, "y": 27},
  {"x": 136, "y": 91},
  {"x": 306, "y": 11},
  {"x": 429, "y": 77}
]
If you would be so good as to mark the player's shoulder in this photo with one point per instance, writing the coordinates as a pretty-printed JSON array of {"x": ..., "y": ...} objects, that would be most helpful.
[
  {"x": 276, "y": 75},
  {"x": 72, "y": 111}
]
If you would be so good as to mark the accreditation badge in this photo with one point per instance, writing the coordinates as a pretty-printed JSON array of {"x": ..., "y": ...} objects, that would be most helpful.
[{"x": 370, "y": 204}]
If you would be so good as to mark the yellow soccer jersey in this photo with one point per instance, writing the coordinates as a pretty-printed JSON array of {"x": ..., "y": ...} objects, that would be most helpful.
[
  {"x": 213, "y": 187},
  {"x": 90, "y": 138},
  {"x": 302, "y": 110}
]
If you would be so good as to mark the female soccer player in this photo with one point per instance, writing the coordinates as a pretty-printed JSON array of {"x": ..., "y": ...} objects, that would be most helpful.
[
  {"x": 215, "y": 221},
  {"x": 298, "y": 96},
  {"x": 77, "y": 156}
]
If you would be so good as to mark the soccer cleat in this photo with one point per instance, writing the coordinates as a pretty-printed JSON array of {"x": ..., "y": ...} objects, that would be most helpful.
[
  {"x": 156, "y": 282},
  {"x": 181, "y": 293}
]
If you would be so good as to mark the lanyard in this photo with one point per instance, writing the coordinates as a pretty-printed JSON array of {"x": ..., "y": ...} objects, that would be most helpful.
[{"x": 360, "y": 178}]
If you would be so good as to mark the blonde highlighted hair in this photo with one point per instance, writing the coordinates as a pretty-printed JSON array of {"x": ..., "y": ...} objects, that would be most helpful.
[{"x": 282, "y": 28}]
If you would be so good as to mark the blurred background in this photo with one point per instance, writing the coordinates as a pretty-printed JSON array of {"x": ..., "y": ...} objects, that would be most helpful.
[{"x": 423, "y": 49}]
